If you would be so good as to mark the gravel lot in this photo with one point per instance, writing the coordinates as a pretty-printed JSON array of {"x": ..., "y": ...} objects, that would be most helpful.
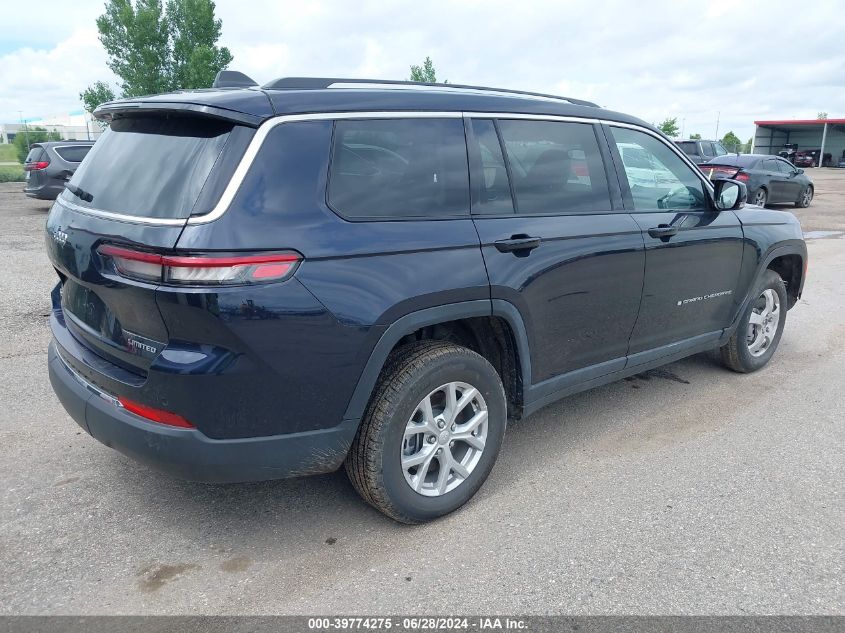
[{"x": 688, "y": 490}]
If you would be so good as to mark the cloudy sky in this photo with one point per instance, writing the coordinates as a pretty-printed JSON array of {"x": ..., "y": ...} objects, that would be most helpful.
[{"x": 743, "y": 60}]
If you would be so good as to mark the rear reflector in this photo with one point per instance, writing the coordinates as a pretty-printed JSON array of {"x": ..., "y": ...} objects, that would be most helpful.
[
  {"x": 155, "y": 415},
  {"x": 42, "y": 164},
  {"x": 200, "y": 269}
]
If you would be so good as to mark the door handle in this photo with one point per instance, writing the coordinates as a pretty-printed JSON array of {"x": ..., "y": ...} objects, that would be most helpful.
[
  {"x": 663, "y": 231},
  {"x": 517, "y": 244}
]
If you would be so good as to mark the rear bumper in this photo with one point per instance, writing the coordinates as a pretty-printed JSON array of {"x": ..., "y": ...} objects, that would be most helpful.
[
  {"x": 188, "y": 453},
  {"x": 44, "y": 192}
]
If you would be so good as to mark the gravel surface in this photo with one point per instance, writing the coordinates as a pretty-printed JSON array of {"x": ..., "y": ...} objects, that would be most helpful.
[{"x": 686, "y": 490}]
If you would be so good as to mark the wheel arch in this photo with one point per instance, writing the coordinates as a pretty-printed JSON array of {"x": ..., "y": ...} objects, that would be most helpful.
[{"x": 455, "y": 313}]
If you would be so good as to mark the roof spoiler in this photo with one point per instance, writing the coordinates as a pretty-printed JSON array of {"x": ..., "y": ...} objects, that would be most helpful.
[{"x": 233, "y": 79}]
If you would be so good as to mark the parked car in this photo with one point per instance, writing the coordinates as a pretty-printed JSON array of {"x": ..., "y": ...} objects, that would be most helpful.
[
  {"x": 701, "y": 151},
  {"x": 768, "y": 178},
  {"x": 50, "y": 165},
  {"x": 841, "y": 162},
  {"x": 805, "y": 158},
  {"x": 420, "y": 265},
  {"x": 789, "y": 151}
]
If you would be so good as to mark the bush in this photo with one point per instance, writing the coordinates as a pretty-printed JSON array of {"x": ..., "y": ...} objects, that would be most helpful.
[
  {"x": 8, "y": 154},
  {"x": 11, "y": 173},
  {"x": 33, "y": 135}
]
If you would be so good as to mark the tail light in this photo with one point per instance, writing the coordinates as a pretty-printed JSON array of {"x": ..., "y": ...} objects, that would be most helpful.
[
  {"x": 742, "y": 176},
  {"x": 200, "y": 270},
  {"x": 41, "y": 164}
]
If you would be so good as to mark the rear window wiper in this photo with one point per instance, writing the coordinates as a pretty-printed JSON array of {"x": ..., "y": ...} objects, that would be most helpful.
[{"x": 80, "y": 193}]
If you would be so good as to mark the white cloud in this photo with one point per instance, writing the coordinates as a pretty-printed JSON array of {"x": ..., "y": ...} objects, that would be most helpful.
[{"x": 649, "y": 59}]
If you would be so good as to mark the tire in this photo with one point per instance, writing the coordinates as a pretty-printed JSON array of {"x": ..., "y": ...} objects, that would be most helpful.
[
  {"x": 806, "y": 198},
  {"x": 412, "y": 375},
  {"x": 761, "y": 197},
  {"x": 739, "y": 353}
]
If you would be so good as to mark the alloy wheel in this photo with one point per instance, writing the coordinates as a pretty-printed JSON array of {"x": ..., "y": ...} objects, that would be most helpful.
[
  {"x": 444, "y": 439},
  {"x": 763, "y": 323}
]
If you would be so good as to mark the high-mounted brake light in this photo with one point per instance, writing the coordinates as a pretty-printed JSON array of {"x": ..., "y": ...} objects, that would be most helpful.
[
  {"x": 200, "y": 269},
  {"x": 41, "y": 164},
  {"x": 155, "y": 415}
]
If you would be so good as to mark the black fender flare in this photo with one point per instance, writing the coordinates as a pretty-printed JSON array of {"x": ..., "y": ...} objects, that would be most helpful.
[
  {"x": 790, "y": 247},
  {"x": 431, "y": 316}
]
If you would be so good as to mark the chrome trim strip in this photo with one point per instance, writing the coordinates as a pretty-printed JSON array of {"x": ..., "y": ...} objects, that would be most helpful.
[
  {"x": 267, "y": 126},
  {"x": 119, "y": 217},
  {"x": 92, "y": 388}
]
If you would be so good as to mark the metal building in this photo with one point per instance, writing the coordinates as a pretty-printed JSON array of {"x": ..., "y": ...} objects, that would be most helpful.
[{"x": 827, "y": 135}]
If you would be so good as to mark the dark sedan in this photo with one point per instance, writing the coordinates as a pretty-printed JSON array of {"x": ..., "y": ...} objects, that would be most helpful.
[
  {"x": 50, "y": 165},
  {"x": 768, "y": 178}
]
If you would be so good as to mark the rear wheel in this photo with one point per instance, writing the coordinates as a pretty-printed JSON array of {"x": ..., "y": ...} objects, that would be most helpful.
[
  {"x": 431, "y": 434},
  {"x": 806, "y": 198},
  {"x": 761, "y": 197},
  {"x": 760, "y": 328}
]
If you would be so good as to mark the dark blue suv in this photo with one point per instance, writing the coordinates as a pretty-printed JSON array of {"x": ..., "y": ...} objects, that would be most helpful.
[{"x": 266, "y": 282}]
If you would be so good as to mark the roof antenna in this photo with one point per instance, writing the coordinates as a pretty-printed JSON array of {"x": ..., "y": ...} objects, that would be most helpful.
[{"x": 232, "y": 79}]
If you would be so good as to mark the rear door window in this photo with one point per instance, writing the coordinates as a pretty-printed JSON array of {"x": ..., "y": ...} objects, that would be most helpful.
[
  {"x": 72, "y": 153},
  {"x": 399, "y": 168},
  {"x": 153, "y": 167},
  {"x": 556, "y": 167},
  {"x": 690, "y": 148}
]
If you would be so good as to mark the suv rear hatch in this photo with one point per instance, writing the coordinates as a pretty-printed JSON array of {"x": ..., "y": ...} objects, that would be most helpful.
[{"x": 135, "y": 190}]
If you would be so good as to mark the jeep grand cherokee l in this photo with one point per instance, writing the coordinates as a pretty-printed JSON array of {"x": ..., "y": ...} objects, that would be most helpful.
[{"x": 317, "y": 273}]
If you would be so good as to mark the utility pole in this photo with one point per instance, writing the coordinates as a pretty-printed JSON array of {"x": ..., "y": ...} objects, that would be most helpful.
[
  {"x": 683, "y": 125},
  {"x": 25, "y": 129},
  {"x": 718, "y": 114}
]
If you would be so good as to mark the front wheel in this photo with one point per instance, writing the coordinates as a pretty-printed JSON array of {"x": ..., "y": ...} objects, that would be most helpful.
[
  {"x": 806, "y": 198},
  {"x": 431, "y": 434},
  {"x": 757, "y": 336}
]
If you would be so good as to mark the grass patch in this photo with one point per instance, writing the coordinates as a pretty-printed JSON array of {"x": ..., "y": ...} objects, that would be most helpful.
[
  {"x": 11, "y": 173},
  {"x": 8, "y": 154}
]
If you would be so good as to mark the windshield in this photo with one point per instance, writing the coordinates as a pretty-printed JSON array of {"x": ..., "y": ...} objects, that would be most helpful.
[{"x": 149, "y": 166}]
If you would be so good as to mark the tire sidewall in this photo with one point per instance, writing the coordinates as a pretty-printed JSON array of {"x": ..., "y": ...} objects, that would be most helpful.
[
  {"x": 765, "y": 197},
  {"x": 770, "y": 280},
  {"x": 473, "y": 370}
]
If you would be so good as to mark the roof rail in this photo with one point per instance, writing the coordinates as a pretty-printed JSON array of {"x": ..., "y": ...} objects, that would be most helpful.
[{"x": 320, "y": 83}]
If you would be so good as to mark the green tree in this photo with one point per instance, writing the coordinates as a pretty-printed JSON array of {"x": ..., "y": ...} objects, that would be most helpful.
[
  {"x": 425, "y": 73},
  {"x": 695, "y": 137},
  {"x": 153, "y": 48},
  {"x": 748, "y": 145},
  {"x": 194, "y": 32},
  {"x": 25, "y": 138},
  {"x": 821, "y": 115},
  {"x": 732, "y": 143},
  {"x": 669, "y": 126},
  {"x": 95, "y": 95}
]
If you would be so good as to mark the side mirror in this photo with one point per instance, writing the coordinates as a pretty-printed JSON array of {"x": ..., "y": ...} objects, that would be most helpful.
[
  {"x": 729, "y": 195},
  {"x": 800, "y": 171}
]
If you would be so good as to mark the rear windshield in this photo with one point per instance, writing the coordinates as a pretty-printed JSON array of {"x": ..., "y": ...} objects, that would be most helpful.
[
  {"x": 35, "y": 154},
  {"x": 153, "y": 167},
  {"x": 689, "y": 147},
  {"x": 739, "y": 160},
  {"x": 72, "y": 153}
]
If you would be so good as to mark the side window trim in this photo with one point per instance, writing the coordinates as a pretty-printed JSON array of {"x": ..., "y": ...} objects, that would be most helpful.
[{"x": 508, "y": 169}]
